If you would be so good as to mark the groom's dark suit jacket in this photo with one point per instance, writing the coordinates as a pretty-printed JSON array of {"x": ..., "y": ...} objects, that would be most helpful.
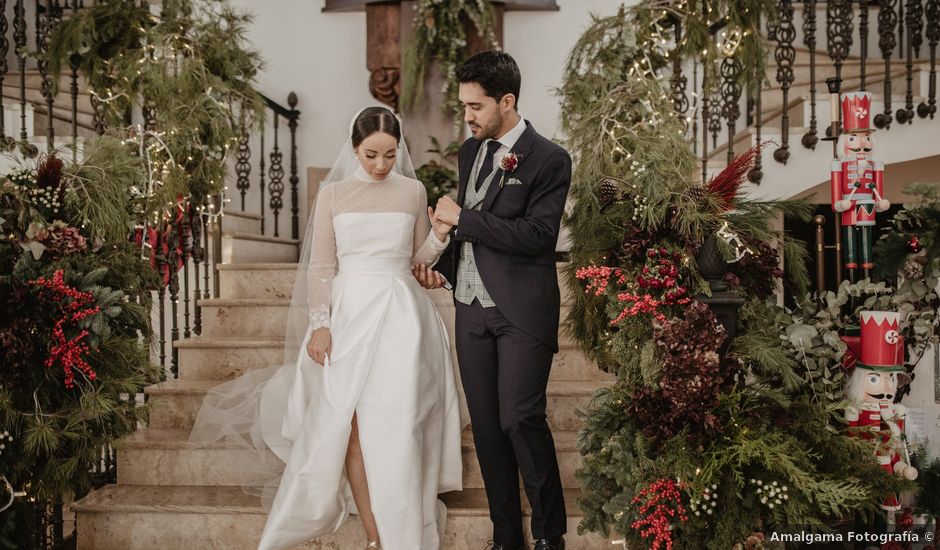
[{"x": 514, "y": 233}]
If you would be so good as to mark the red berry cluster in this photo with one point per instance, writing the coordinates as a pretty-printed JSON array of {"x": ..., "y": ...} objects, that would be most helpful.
[
  {"x": 661, "y": 272},
  {"x": 660, "y": 505},
  {"x": 598, "y": 277},
  {"x": 69, "y": 353}
]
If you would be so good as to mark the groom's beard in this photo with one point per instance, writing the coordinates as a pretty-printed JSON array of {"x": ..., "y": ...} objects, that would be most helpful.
[{"x": 490, "y": 131}]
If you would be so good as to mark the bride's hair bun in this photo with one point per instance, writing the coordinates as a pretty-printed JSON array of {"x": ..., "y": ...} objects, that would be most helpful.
[{"x": 372, "y": 120}]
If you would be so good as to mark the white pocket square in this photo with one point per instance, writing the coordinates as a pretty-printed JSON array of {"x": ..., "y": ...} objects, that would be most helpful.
[{"x": 513, "y": 181}]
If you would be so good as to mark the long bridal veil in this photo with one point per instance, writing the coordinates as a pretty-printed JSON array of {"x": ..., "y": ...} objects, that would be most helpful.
[{"x": 260, "y": 412}]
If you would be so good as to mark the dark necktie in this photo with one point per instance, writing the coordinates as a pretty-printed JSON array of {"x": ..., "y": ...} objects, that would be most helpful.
[{"x": 487, "y": 166}]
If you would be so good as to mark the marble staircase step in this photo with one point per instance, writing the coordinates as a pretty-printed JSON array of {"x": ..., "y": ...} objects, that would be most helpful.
[
  {"x": 119, "y": 517},
  {"x": 176, "y": 402},
  {"x": 244, "y": 317},
  {"x": 256, "y": 280},
  {"x": 236, "y": 221},
  {"x": 253, "y": 248},
  {"x": 224, "y": 358},
  {"x": 161, "y": 456}
]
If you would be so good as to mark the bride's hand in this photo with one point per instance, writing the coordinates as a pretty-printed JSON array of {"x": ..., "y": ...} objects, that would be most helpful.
[
  {"x": 318, "y": 347},
  {"x": 440, "y": 228}
]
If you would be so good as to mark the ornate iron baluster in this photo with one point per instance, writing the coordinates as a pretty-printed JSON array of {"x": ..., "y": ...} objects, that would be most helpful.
[
  {"x": 187, "y": 242},
  {"x": 901, "y": 28},
  {"x": 276, "y": 185},
  {"x": 173, "y": 258},
  {"x": 785, "y": 55},
  {"x": 731, "y": 97},
  {"x": 917, "y": 26},
  {"x": 887, "y": 19},
  {"x": 839, "y": 32},
  {"x": 19, "y": 40},
  {"x": 97, "y": 116},
  {"x": 757, "y": 173},
  {"x": 206, "y": 252},
  {"x": 161, "y": 294},
  {"x": 863, "y": 41},
  {"x": 678, "y": 82},
  {"x": 45, "y": 23},
  {"x": 933, "y": 36},
  {"x": 195, "y": 225},
  {"x": 695, "y": 96},
  {"x": 243, "y": 167},
  {"x": 294, "y": 178},
  {"x": 706, "y": 118},
  {"x": 73, "y": 91},
  {"x": 4, "y": 66},
  {"x": 906, "y": 115},
  {"x": 810, "y": 138},
  {"x": 714, "y": 116},
  {"x": 261, "y": 176}
]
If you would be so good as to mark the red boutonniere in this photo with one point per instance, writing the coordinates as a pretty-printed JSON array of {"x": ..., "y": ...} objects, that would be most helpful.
[{"x": 508, "y": 165}]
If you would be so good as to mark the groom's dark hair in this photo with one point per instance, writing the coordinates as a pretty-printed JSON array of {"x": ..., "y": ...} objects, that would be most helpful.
[{"x": 495, "y": 71}]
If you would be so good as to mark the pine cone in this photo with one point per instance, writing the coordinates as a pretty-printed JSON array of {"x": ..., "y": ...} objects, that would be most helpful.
[
  {"x": 697, "y": 194},
  {"x": 607, "y": 192}
]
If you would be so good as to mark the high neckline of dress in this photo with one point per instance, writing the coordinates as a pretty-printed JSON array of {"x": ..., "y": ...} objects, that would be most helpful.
[{"x": 362, "y": 175}]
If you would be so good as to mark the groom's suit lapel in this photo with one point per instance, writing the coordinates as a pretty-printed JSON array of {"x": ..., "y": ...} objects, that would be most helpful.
[
  {"x": 465, "y": 166},
  {"x": 522, "y": 149}
]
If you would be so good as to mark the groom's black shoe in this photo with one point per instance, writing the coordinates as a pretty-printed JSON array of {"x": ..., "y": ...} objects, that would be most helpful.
[
  {"x": 499, "y": 546},
  {"x": 550, "y": 544}
]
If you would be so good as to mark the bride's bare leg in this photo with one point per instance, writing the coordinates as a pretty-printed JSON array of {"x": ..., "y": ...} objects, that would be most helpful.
[{"x": 356, "y": 473}]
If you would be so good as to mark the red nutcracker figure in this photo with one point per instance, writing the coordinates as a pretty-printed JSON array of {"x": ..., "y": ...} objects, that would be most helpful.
[
  {"x": 878, "y": 355},
  {"x": 857, "y": 183}
]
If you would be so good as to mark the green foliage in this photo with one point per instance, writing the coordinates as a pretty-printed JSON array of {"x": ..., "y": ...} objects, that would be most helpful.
[
  {"x": 778, "y": 412},
  {"x": 189, "y": 67},
  {"x": 439, "y": 176},
  {"x": 439, "y": 35},
  {"x": 928, "y": 483},
  {"x": 921, "y": 219}
]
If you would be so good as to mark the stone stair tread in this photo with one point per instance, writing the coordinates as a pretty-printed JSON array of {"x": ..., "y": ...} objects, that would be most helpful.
[
  {"x": 257, "y": 267},
  {"x": 262, "y": 238},
  {"x": 174, "y": 438},
  {"x": 472, "y": 502},
  {"x": 243, "y": 302},
  {"x": 249, "y": 215},
  {"x": 226, "y": 500},
  {"x": 199, "y": 342},
  {"x": 558, "y": 388}
]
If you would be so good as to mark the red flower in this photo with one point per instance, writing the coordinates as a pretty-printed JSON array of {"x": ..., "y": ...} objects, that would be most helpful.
[{"x": 509, "y": 162}]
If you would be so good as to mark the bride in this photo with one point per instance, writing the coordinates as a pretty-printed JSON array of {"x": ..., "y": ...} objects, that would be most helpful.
[{"x": 363, "y": 417}]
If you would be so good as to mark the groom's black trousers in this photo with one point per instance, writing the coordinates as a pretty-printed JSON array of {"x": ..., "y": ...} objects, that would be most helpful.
[{"x": 504, "y": 373}]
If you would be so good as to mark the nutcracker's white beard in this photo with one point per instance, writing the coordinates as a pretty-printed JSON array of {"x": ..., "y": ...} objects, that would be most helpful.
[{"x": 855, "y": 389}]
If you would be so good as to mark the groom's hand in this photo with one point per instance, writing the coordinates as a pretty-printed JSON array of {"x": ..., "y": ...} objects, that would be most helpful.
[
  {"x": 447, "y": 211},
  {"x": 427, "y": 277}
]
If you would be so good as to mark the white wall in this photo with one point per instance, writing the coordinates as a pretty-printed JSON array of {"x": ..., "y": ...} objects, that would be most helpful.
[{"x": 322, "y": 57}]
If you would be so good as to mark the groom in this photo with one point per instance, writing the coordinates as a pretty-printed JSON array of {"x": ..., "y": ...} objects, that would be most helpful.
[{"x": 501, "y": 263}]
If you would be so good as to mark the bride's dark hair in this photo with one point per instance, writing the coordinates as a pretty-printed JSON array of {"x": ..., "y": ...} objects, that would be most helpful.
[{"x": 372, "y": 120}]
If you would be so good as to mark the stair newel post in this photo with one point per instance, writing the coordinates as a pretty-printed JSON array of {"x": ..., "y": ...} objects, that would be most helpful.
[
  {"x": 810, "y": 138},
  {"x": 835, "y": 127},
  {"x": 863, "y": 41},
  {"x": 276, "y": 175},
  {"x": 906, "y": 114},
  {"x": 19, "y": 40},
  {"x": 820, "y": 223},
  {"x": 932, "y": 11},
  {"x": 887, "y": 19},
  {"x": 215, "y": 207},
  {"x": 731, "y": 97},
  {"x": 261, "y": 185},
  {"x": 784, "y": 55},
  {"x": 195, "y": 227},
  {"x": 294, "y": 179},
  {"x": 206, "y": 251}
]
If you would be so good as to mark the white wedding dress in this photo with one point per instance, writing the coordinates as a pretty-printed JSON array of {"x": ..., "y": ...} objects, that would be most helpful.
[{"x": 390, "y": 364}]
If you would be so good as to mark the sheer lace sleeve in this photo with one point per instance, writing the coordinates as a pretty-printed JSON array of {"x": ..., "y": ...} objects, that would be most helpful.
[
  {"x": 322, "y": 266},
  {"x": 427, "y": 247}
]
